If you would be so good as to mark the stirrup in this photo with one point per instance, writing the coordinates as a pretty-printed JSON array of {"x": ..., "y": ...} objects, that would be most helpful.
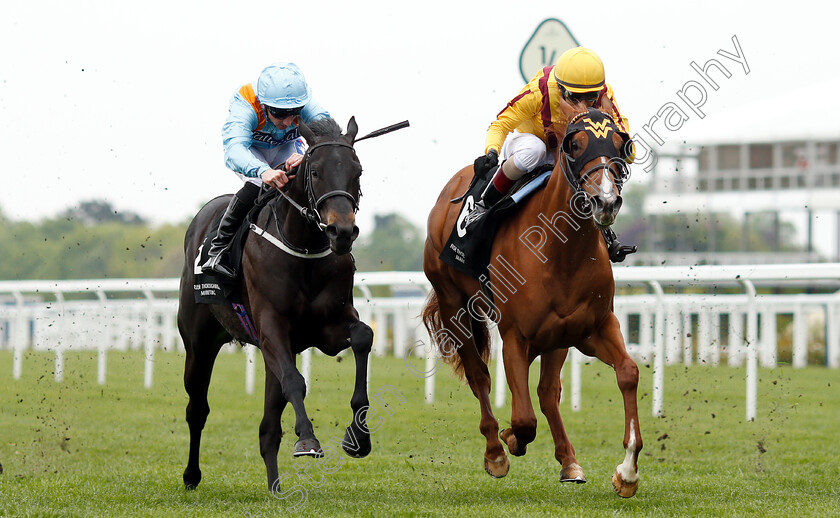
[
  {"x": 618, "y": 251},
  {"x": 214, "y": 266}
]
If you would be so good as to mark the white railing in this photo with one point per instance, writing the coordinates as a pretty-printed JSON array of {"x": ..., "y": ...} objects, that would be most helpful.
[{"x": 668, "y": 315}]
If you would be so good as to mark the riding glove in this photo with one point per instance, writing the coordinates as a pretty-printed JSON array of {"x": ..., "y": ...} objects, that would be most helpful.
[{"x": 485, "y": 163}]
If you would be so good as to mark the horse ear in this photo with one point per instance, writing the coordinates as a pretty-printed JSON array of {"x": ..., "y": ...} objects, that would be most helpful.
[
  {"x": 628, "y": 149},
  {"x": 305, "y": 132},
  {"x": 352, "y": 130}
]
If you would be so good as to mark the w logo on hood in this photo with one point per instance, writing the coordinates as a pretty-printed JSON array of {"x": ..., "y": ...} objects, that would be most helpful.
[{"x": 599, "y": 129}]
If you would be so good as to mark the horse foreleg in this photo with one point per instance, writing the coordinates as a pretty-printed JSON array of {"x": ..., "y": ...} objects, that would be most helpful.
[
  {"x": 279, "y": 359},
  {"x": 608, "y": 346},
  {"x": 626, "y": 478},
  {"x": 549, "y": 390},
  {"x": 270, "y": 429},
  {"x": 523, "y": 421},
  {"x": 357, "y": 436}
]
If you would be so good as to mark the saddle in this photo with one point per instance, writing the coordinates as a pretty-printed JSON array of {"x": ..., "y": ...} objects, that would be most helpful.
[
  {"x": 469, "y": 245},
  {"x": 216, "y": 289}
]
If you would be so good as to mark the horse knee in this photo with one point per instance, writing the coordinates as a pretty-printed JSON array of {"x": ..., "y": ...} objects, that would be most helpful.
[
  {"x": 361, "y": 337},
  {"x": 627, "y": 374},
  {"x": 524, "y": 428},
  {"x": 197, "y": 414}
]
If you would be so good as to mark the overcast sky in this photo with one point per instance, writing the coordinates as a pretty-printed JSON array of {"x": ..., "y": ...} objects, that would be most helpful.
[{"x": 125, "y": 101}]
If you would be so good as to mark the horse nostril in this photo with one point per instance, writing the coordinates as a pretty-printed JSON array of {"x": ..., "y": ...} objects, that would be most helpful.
[
  {"x": 618, "y": 203},
  {"x": 332, "y": 232},
  {"x": 355, "y": 233}
]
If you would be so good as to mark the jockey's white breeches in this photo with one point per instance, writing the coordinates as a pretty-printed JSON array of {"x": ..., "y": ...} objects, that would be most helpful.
[{"x": 527, "y": 151}]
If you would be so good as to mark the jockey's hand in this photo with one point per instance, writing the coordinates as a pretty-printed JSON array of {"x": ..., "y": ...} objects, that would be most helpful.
[
  {"x": 485, "y": 163},
  {"x": 293, "y": 161},
  {"x": 276, "y": 178}
]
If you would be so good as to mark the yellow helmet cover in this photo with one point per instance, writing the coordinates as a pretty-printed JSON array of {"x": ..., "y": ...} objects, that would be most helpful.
[{"x": 580, "y": 70}]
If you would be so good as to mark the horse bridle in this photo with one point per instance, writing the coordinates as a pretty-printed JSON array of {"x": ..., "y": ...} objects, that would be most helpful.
[
  {"x": 598, "y": 147},
  {"x": 311, "y": 211}
]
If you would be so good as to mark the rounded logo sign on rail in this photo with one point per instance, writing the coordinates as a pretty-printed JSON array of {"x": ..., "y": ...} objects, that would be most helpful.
[{"x": 551, "y": 39}]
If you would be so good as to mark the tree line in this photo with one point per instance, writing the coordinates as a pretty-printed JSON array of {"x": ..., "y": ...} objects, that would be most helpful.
[{"x": 93, "y": 240}]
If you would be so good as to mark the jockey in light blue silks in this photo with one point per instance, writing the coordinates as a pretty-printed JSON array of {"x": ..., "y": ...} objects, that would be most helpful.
[{"x": 262, "y": 144}]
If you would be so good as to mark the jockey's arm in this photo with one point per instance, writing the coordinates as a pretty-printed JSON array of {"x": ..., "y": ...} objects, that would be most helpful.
[
  {"x": 237, "y": 135},
  {"x": 520, "y": 109}
]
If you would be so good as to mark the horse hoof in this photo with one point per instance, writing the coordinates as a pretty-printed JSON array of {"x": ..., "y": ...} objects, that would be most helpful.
[
  {"x": 356, "y": 443},
  {"x": 506, "y": 435},
  {"x": 622, "y": 488},
  {"x": 191, "y": 480},
  {"x": 497, "y": 468},
  {"x": 308, "y": 448},
  {"x": 572, "y": 473}
]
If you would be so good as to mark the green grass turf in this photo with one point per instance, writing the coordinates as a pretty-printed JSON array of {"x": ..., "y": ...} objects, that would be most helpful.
[{"x": 80, "y": 449}]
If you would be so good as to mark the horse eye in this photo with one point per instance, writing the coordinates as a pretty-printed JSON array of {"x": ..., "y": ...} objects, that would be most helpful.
[{"x": 314, "y": 173}]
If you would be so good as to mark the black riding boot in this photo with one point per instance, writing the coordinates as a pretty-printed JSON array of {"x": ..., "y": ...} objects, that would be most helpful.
[
  {"x": 489, "y": 197},
  {"x": 235, "y": 213},
  {"x": 617, "y": 251}
]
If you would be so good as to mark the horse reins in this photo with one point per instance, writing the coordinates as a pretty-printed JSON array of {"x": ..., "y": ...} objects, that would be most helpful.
[{"x": 310, "y": 213}]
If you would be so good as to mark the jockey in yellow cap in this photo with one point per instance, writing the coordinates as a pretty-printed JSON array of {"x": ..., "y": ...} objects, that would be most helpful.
[{"x": 523, "y": 132}]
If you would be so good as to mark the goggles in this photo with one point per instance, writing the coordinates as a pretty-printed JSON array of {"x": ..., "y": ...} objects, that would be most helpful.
[
  {"x": 282, "y": 113},
  {"x": 589, "y": 98}
]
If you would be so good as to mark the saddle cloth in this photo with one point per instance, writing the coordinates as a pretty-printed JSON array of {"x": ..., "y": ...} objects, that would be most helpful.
[
  {"x": 216, "y": 289},
  {"x": 469, "y": 246}
]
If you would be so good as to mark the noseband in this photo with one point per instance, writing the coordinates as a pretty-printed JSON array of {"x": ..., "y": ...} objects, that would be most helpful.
[
  {"x": 311, "y": 211},
  {"x": 598, "y": 126}
]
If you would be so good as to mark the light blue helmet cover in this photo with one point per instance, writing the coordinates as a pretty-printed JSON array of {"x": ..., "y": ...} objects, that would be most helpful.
[{"x": 282, "y": 85}]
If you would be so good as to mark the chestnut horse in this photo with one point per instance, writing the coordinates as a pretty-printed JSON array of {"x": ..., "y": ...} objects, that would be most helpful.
[
  {"x": 297, "y": 284},
  {"x": 552, "y": 285}
]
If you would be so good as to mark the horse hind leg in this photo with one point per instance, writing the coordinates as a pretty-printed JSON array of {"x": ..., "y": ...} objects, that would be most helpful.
[
  {"x": 496, "y": 462},
  {"x": 270, "y": 428},
  {"x": 523, "y": 421},
  {"x": 197, "y": 371},
  {"x": 549, "y": 390}
]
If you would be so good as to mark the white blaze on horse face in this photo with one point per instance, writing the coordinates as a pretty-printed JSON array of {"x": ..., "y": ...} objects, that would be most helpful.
[
  {"x": 607, "y": 186},
  {"x": 627, "y": 469}
]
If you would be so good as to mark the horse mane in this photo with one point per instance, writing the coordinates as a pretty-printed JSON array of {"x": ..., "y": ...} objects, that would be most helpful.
[{"x": 325, "y": 127}]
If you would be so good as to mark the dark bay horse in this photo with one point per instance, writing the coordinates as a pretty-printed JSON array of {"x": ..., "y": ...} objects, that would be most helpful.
[
  {"x": 298, "y": 297},
  {"x": 552, "y": 284}
]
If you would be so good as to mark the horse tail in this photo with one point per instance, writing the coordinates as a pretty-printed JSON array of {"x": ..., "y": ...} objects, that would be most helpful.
[{"x": 446, "y": 344}]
